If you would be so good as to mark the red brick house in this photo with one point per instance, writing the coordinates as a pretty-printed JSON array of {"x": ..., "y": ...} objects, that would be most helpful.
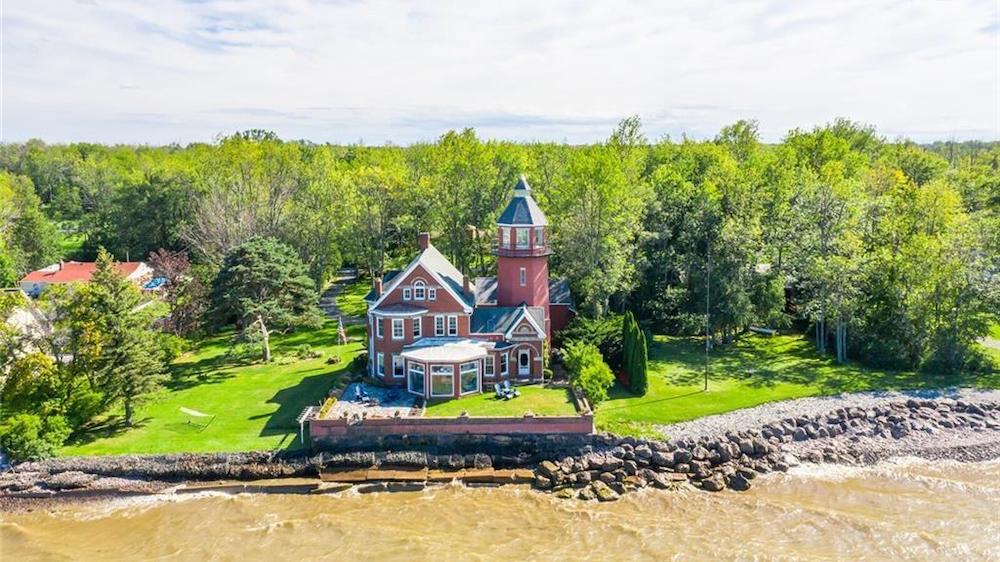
[{"x": 443, "y": 335}]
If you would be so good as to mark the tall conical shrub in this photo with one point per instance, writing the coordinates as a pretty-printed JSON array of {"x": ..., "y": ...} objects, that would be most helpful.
[
  {"x": 628, "y": 342},
  {"x": 640, "y": 384}
]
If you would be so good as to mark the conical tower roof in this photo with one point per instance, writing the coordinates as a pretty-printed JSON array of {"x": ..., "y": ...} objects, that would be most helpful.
[{"x": 522, "y": 209}]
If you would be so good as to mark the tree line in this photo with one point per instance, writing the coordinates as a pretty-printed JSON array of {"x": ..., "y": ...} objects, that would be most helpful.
[{"x": 884, "y": 251}]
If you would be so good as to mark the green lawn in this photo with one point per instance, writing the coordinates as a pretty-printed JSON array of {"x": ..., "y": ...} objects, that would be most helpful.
[
  {"x": 351, "y": 299},
  {"x": 535, "y": 398},
  {"x": 255, "y": 405},
  {"x": 758, "y": 369}
]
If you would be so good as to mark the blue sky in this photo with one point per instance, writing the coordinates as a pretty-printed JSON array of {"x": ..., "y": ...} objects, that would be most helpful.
[{"x": 378, "y": 71}]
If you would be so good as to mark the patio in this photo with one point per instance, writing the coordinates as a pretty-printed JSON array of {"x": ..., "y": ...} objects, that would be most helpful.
[{"x": 382, "y": 403}]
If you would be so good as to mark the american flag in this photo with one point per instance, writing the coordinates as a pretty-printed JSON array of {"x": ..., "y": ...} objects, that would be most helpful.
[{"x": 341, "y": 334}]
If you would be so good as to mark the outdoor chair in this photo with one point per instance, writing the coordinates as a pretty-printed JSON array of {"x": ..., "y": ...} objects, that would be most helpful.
[{"x": 510, "y": 390}]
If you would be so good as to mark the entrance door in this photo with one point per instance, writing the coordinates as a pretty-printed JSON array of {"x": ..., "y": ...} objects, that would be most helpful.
[{"x": 524, "y": 363}]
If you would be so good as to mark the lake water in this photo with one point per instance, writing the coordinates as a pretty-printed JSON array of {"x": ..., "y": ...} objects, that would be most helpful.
[{"x": 905, "y": 510}]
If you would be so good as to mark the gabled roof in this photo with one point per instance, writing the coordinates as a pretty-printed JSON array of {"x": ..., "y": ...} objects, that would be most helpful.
[
  {"x": 522, "y": 209},
  {"x": 386, "y": 279},
  {"x": 75, "y": 272},
  {"x": 500, "y": 319},
  {"x": 486, "y": 290},
  {"x": 439, "y": 267}
]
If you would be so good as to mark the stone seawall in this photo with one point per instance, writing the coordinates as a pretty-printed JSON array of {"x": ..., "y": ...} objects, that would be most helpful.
[{"x": 585, "y": 466}]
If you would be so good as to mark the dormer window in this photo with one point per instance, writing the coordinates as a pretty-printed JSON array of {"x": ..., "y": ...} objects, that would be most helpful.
[
  {"x": 418, "y": 290},
  {"x": 406, "y": 293},
  {"x": 522, "y": 238}
]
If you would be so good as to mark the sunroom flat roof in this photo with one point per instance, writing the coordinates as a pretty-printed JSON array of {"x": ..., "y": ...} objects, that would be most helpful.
[{"x": 447, "y": 350}]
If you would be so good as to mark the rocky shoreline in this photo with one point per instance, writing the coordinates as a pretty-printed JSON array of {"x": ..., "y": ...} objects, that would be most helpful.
[{"x": 843, "y": 431}]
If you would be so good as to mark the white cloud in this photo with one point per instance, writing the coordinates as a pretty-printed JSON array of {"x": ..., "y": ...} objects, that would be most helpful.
[{"x": 376, "y": 70}]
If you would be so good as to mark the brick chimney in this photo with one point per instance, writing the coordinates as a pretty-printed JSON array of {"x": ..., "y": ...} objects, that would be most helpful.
[
  {"x": 377, "y": 285},
  {"x": 466, "y": 285},
  {"x": 424, "y": 240}
]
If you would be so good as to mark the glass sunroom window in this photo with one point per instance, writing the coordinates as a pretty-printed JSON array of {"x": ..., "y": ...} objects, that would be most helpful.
[
  {"x": 415, "y": 379},
  {"x": 442, "y": 380},
  {"x": 469, "y": 377}
]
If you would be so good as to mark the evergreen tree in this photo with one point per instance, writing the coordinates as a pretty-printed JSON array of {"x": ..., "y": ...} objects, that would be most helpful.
[
  {"x": 113, "y": 344},
  {"x": 263, "y": 284}
]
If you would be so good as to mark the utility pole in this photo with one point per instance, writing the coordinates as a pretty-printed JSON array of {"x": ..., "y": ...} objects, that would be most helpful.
[{"x": 708, "y": 293}]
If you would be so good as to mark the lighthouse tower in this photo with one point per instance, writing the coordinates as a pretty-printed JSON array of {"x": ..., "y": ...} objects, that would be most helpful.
[{"x": 523, "y": 253}]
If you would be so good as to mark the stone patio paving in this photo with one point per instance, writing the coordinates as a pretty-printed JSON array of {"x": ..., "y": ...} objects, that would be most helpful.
[{"x": 390, "y": 402}]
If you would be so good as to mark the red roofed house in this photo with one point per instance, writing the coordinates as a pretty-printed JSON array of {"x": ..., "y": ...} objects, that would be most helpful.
[
  {"x": 443, "y": 335},
  {"x": 79, "y": 272}
]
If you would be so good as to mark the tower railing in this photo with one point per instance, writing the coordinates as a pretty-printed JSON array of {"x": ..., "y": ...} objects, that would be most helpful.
[{"x": 521, "y": 252}]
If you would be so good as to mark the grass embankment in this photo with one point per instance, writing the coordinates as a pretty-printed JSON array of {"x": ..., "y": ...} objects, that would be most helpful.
[
  {"x": 351, "y": 301},
  {"x": 255, "y": 405},
  {"x": 534, "y": 398},
  {"x": 755, "y": 370}
]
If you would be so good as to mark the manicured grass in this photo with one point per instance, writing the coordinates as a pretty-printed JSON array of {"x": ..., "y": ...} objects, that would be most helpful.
[
  {"x": 755, "y": 370},
  {"x": 535, "y": 398},
  {"x": 995, "y": 331},
  {"x": 351, "y": 298},
  {"x": 255, "y": 404}
]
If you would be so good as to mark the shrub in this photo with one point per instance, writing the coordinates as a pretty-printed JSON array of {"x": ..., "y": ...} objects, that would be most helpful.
[
  {"x": 305, "y": 351},
  {"x": 588, "y": 371},
  {"x": 28, "y": 437},
  {"x": 173, "y": 346},
  {"x": 594, "y": 381},
  {"x": 635, "y": 354},
  {"x": 605, "y": 333}
]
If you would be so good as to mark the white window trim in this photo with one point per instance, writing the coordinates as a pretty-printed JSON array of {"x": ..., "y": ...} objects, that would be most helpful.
[
  {"x": 523, "y": 277},
  {"x": 539, "y": 235},
  {"x": 439, "y": 325},
  {"x": 475, "y": 369},
  {"x": 380, "y": 364},
  {"x": 416, "y": 368},
  {"x": 505, "y": 238},
  {"x": 452, "y": 321},
  {"x": 398, "y": 323},
  {"x": 452, "y": 368},
  {"x": 504, "y": 364},
  {"x": 406, "y": 293},
  {"x": 378, "y": 327},
  {"x": 419, "y": 290},
  {"x": 432, "y": 293},
  {"x": 418, "y": 327},
  {"x": 517, "y": 239},
  {"x": 401, "y": 361},
  {"x": 489, "y": 367}
]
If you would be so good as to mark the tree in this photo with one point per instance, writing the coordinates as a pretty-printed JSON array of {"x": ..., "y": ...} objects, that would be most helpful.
[
  {"x": 183, "y": 290},
  {"x": 112, "y": 342},
  {"x": 28, "y": 437},
  {"x": 595, "y": 228},
  {"x": 249, "y": 183},
  {"x": 263, "y": 285}
]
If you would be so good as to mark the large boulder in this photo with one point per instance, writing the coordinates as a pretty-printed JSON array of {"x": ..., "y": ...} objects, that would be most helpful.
[
  {"x": 548, "y": 468},
  {"x": 738, "y": 482},
  {"x": 682, "y": 456},
  {"x": 602, "y": 492},
  {"x": 713, "y": 483}
]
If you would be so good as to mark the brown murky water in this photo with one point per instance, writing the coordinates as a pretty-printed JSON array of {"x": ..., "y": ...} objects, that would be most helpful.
[{"x": 908, "y": 510}]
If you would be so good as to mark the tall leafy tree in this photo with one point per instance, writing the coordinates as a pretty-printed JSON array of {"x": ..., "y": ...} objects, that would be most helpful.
[{"x": 263, "y": 286}]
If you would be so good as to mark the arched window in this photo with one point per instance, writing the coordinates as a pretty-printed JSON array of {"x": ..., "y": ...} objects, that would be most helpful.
[{"x": 418, "y": 290}]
